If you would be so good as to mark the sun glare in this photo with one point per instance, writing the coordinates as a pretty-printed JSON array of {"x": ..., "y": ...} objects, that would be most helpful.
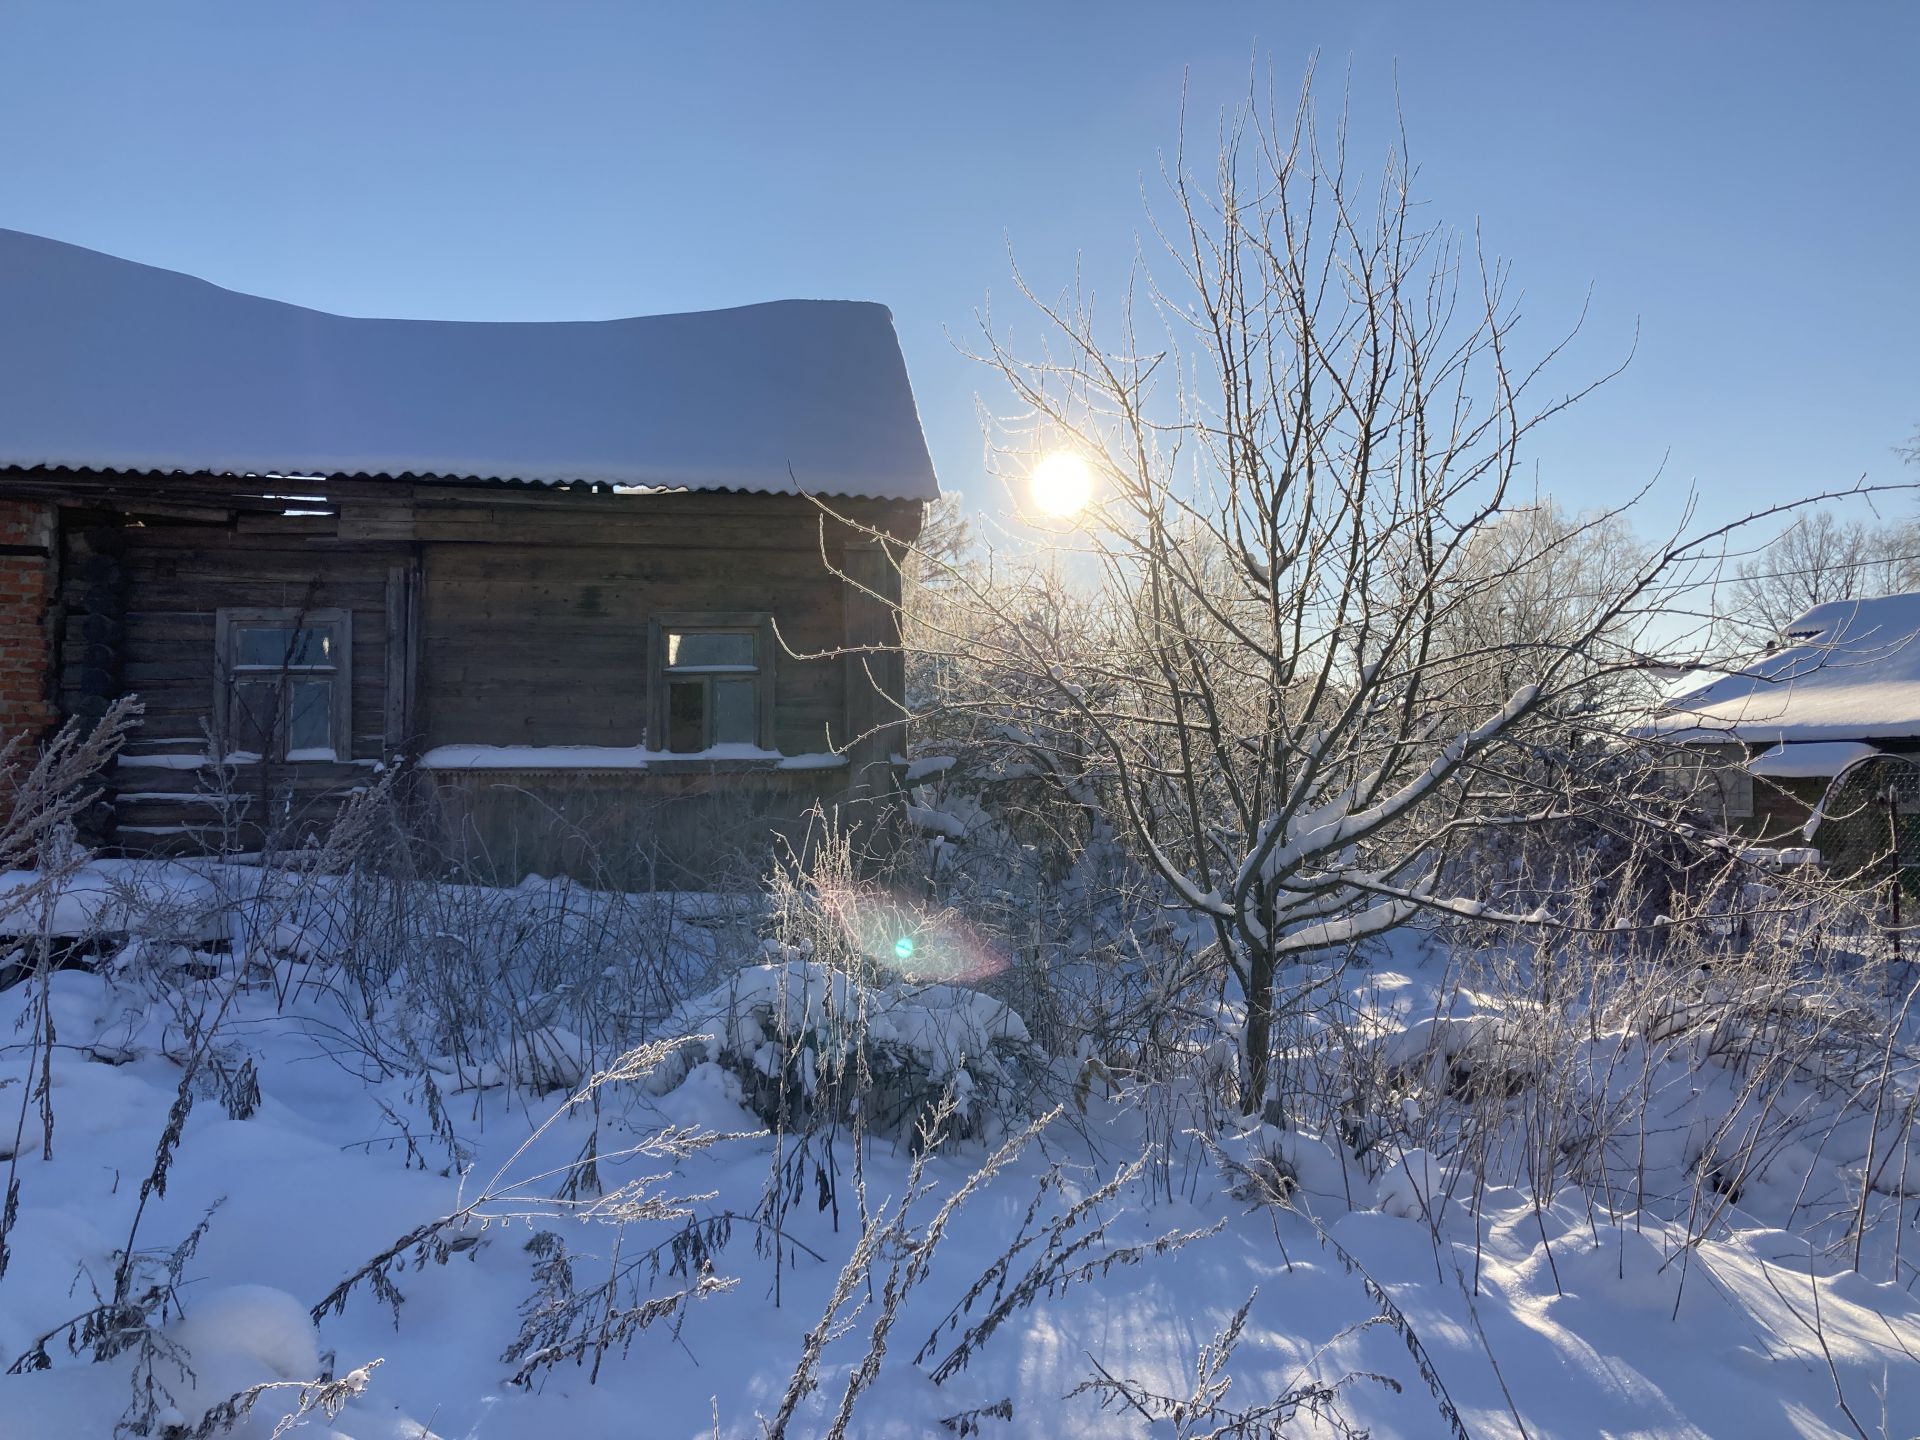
[{"x": 1062, "y": 484}]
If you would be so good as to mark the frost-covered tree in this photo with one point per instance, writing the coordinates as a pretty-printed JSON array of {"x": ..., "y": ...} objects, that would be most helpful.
[
  {"x": 1818, "y": 558},
  {"x": 1333, "y": 637},
  {"x": 1524, "y": 589}
]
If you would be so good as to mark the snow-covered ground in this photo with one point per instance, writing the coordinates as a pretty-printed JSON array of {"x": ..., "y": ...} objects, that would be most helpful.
[{"x": 1568, "y": 1319}]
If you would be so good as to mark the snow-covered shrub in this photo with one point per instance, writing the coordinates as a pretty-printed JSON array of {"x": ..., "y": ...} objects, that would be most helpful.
[
  {"x": 1265, "y": 1165},
  {"x": 804, "y": 1042},
  {"x": 1089, "y": 956},
  {"x": 1013, "y": 809},
  {"x": 1202, "y": 1412},
  {"x": 1466, "y": 1056},
  {"x": 1109, "y": 981},
  {"x": 1685, "y": 1071}
]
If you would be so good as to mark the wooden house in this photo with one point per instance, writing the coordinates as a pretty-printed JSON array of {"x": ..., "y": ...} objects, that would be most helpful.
[
  {"x": 567, "y": 574},
  {"x": 1764, "y": 744}
]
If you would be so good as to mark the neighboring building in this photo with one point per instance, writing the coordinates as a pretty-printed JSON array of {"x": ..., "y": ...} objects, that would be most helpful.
[
  {"x": 562, "y": 568},
  {"x": 1841, "y": 685}
]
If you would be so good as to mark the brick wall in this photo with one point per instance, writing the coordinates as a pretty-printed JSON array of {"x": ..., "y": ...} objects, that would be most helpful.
[{"x": 26, "y": 589}]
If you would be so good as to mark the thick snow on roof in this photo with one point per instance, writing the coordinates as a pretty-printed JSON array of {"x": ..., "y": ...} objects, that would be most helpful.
[
  {"x": 1809, "y": 760},
  {"x": 1852, "y": 672},
  {"x": 110, "y": 365}
]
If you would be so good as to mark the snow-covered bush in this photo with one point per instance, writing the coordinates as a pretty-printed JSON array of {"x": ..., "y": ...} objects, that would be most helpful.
[
  {"x": 1090, "y": 959},
  {"x": 804, "y": 1043},
  {"x": 1681, "y": 1071}
]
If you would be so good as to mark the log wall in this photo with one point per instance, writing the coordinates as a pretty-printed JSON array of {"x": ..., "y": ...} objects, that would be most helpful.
[
  {"x": 537, "y": 634},
  {"x": 172, "y": 581},
  {"x": 480, "y": 615}
]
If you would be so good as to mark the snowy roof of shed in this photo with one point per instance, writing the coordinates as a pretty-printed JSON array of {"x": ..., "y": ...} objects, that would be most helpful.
[
  {"x": 1809, "y": 759},
  {"x": 1846, "y": 670},
  {"x": 110, "y": 365}
]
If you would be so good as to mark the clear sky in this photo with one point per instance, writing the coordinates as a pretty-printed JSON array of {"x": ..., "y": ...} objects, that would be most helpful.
[{"x": 1740, "y": 180}]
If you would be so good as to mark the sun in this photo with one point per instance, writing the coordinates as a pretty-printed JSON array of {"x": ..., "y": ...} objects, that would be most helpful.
[{"x": 1062, "y": 484}]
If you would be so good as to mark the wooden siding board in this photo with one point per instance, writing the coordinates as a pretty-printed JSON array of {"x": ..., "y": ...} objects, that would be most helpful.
[
  {"x": 402, "y": 640},
  {"x": 178, "y": 578},
  {"x": 529, "y": 613},
  {"x": 540, "y": 644}
]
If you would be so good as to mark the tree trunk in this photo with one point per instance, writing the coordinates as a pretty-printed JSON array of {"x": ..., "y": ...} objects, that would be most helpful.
[{"x": 1256, "y": 1057}]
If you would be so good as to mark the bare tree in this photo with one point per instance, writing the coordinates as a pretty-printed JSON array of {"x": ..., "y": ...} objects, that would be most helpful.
[
  {"x": 1332, "y": 644},
  {"x": 946, "y": 539},
  {"x": 1820, "y": 558},
  {"x": 1525, "y": 588}
]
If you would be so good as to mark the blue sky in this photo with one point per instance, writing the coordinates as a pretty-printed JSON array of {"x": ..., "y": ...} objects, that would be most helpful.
[{"x": 1740, "y": 181}]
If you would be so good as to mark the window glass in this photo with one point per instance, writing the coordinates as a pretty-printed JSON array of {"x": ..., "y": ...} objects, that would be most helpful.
[
  {"x": 252, "y": 710},
  {"x": 713, "y": 681},
  {"x": 687, "y": 715},
  {"x": 733, "y": 722},
  {"x": 310, "y": 715},
  {"x": 1736, "y": 788},
  {"x": 710, "y": 648},
  {"x": 274, "y": 646}
]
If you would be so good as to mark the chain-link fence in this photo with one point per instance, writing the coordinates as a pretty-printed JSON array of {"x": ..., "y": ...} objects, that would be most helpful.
[{"x": 1868, "y": 824}]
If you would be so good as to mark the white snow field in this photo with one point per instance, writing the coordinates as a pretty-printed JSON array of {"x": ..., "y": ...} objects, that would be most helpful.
[{"x": 1581, "y": 1317}]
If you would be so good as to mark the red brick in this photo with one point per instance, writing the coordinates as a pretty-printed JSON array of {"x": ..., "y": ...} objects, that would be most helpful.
[{"x": 25, "y": 639}]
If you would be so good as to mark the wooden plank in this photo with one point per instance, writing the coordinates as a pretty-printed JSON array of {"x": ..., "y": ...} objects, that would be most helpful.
[
  {"x": 528, "y": 625},
  {"x": 728, "y": 533},
  {"x": 191, "y": 595},
  {"x": 213, "y": 492},
  {"x": 279, "y": 522},
  {"x": 377, "y": 519},
  {"x": 402, "y": 654},
  {"x": 498, "y": 616},
  {"x": 645, "y": 558}
]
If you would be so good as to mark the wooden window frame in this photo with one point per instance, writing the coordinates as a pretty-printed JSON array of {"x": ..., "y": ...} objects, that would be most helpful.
[
  {"x": 228, "y": 621},
  {"x": 757, "y": 623},
  {"x": 1719, "y": 782},
  {"x": 1736, "y": 793}
]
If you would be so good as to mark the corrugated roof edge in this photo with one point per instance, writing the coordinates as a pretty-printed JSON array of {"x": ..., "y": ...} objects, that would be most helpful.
[{"x": 14, "y": 468}]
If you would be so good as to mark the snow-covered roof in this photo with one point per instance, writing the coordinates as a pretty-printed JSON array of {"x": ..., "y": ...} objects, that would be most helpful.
[
  {"x": 1809, "y": 760},
  {"x": 110, "y": 365},
  {"x": 1851, "y": 671}
]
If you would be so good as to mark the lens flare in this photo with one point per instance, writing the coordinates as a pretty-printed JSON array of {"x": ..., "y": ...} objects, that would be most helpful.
[{"x": 913, "y": 940}]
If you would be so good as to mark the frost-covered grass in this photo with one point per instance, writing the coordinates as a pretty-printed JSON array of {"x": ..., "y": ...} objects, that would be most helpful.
[
  {"x": 542, "y": 1211},
  {"x": 1770, "y": 1081}
]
